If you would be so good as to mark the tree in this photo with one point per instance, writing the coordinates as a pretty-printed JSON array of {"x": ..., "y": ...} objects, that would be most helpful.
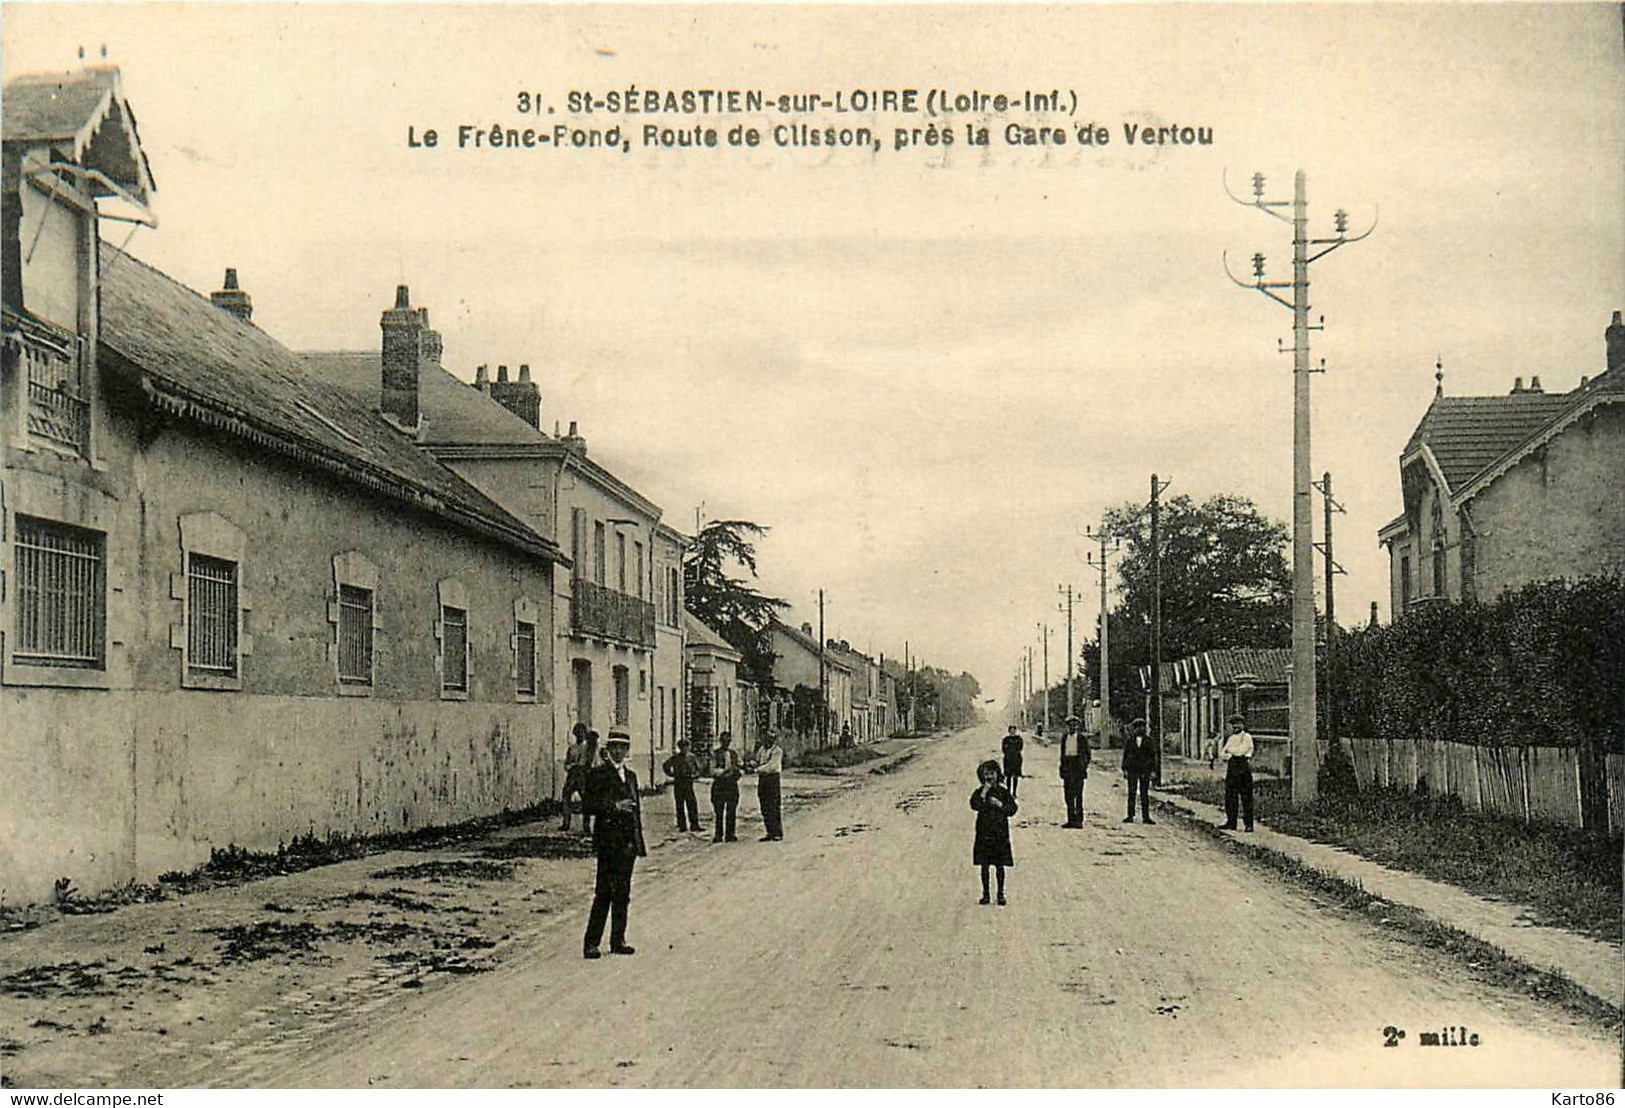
[
  {"x": 729, "y": 604},
  {"x": 1225, "y": 583}
]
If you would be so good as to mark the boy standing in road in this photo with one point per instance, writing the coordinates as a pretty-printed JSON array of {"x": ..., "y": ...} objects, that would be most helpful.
[{"x": 1237, "y": 752}]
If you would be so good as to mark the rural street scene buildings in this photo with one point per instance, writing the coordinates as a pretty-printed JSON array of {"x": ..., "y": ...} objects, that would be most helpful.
[{"x": 381, "y": 491}]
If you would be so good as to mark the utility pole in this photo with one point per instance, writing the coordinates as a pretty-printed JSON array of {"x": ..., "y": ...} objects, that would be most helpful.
[
  {"x": 1332, "y": 569},
  {"x": 1157, "y": 488},
  {"x": 1067, "y": 608},
  {"x": 1305, "y": 752},
  {"x": 823, "y": 680},
  {"x": 1043, "y": 636},
  {"x": 1105, "y": 624}
]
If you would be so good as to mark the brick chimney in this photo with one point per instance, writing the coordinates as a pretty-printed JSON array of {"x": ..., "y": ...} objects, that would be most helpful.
[
  {"x": 1517, "y": 386},
  {"x": 1615, "y": 336},
  {"x": 1534, "y": 384},
  {"x": 482, "y": 378},
  {"x": 406, "y": 351},
  {"x": 520, "y": 397},
  {"x": 232, "y": 299},
  {"x": 573, "y": 441}
]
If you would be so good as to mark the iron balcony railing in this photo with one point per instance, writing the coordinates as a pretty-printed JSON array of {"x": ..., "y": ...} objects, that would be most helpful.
[
  {"x": 58, "y": 411},
  {"x": 607, "y": 614}
]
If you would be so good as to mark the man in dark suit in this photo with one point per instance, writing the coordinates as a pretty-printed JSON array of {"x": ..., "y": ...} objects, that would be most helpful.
[
  {"x": 1074, "y": 769},
  {"x": 611, "y": 795},
  {"x": 1139, "y": 763}
]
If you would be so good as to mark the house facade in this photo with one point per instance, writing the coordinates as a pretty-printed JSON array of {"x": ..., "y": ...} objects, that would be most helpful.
[
  {"x": 613, "y": 610},
  {"x": 237, "y": 607},
  {"x": 716, "y": 698},
  {"x": 670, "y": 662},
  {"x": 797, "y": 665},
  {"x": 1500, "y": 491}
]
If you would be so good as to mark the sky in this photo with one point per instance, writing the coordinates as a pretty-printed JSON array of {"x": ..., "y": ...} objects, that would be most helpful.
[{"x": 928, "y": 370}]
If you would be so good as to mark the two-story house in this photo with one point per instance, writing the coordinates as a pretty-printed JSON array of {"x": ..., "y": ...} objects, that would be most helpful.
[
  {"x": 1503, "y": 490},
  {"x": 806, "y": 672},
  {"x": 235, "y": 606},
  {"x": 618, "y": 602}
]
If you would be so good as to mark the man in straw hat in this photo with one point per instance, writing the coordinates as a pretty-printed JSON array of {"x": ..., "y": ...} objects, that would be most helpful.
[{"x": 611, "y": 794}]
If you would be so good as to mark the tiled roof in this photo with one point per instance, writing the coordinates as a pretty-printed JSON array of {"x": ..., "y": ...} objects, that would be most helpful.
[
  {"x": 1267, "y": 666},
  {"x": 1469, "y": 434},
  {"x": 194, "y": 359},
  {"x": 47, "y": 106},
  {"x": 810, "y": 644},
  {"x": 701, "y": 633},
  {"x": 455, "y": 413},
  {"x": 88, "y": 109}
]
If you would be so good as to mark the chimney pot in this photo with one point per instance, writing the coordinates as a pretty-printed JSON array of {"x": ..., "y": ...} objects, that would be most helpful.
[
  {"x": 502, "y": 374},
  {"x": 806, "y": 628},
  {"x": 1534, "y": 384},
  {"x": 1517, "y": 385},
  {"x": 232, "y": 300},
  {"x": 482, "y": 375},
  {"x": 407, "y": 344},
  {"x": 1615, "y": 336},
  {"x": 524, "y": 374}
]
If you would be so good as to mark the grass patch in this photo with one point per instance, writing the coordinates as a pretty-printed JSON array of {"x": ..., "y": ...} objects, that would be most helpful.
[
  {"x": 1483, "y": 960},
  {"x": 836, "y": 757},
  {"x": 1564, "y": 878}
]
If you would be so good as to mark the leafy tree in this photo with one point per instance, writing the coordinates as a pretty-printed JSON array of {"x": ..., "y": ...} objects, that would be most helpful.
[
  {"x": 728, "y": 603},
  {"x": 1225, "y": 583}
]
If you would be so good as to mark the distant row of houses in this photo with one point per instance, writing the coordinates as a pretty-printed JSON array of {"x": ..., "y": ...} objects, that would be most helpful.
[{"x": 249, "y": 594}]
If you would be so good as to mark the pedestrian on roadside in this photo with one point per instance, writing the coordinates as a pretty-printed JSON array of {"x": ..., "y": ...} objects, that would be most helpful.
[
  {"x": 1075, "y": 755},
  {"x": 1011, "y": 746},
  {"x": 577, "y": 761},
  {"x": 1237, "y": 752},
  {"x": 769, "y": 764},
  {"x": 846, "y": 735},
  {"x": 617, "y": 840},
  {"x": 725, "y": 771},
  {"x": 1139, "y": 762},
  {"x": 683, "y": 768},
  {"x": 994, "y": 805}
]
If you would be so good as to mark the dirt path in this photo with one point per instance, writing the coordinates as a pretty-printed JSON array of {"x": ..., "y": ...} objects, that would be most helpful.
[{"x": 855, "y": 954}]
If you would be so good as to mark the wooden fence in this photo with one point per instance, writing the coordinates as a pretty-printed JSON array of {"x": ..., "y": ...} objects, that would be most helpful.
[{"x": 1539, "y": 784}]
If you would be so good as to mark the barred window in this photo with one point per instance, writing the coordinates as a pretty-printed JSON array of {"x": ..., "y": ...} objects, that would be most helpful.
[
  {"x": 453, "y": 649},
  {"x": 355, "y": 635},
  {"x": 61, "y": 601},
  {"x": 211, "y": 621},
  {"x": 525, "y": 647}
]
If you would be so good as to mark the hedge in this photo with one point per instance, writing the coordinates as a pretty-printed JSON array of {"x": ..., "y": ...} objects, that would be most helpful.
[{"x": 1541, "y": 666}]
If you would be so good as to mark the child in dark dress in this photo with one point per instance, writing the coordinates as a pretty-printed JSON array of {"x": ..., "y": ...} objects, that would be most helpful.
[{"x": 994, "y": 806}]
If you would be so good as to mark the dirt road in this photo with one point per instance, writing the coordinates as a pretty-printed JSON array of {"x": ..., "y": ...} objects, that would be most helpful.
[{"x": 855, "y": 954}]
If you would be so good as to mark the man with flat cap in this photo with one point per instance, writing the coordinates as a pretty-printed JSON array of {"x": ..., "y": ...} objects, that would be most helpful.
[
  {"x": 1237, "y": 752},
  {"x": 611, "y": 794},
  {"x": 1074, "y": 769},
  {"x": 1139, "y": 762}
]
